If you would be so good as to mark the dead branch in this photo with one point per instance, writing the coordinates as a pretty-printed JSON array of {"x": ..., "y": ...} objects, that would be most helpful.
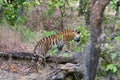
[
  {"x": 15, "y": 55},
  {"x": 62, "y": 73}
]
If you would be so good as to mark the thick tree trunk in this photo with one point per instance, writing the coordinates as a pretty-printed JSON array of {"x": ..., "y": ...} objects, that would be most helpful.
[{"x": 92, "y": 49}]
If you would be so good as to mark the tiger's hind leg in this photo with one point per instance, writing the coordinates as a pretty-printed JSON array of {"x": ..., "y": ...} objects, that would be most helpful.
[
  {"x": 42, "y": 62},
  {"x": 41, "y": 66}
]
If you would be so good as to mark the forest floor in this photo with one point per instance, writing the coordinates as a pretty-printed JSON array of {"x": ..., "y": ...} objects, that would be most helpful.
[{"x": 15, "y": 69}]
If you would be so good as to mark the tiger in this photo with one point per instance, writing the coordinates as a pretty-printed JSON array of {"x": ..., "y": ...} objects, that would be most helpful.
[{"x": 59, "y": 39}]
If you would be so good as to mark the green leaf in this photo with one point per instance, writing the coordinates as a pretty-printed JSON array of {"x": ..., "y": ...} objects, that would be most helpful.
[
  {"x": 78, "y": 49},
  {"x": 66, "y": 55},
  {"x": 114, "y": 56},
  {"x": 26, "y": 4},
  {"x": 118, "y": 74},
  {"x": 53, "y": 52},
  {"x": 114, "y": 6},
  {"x": 37, "y": 2},
  {"x": 117, "y": 39},
  {"x": 1, "y": 1},
  {"x": 111, "y": 67},
  {"x": 48, "y": 33},
  {"x": 114, "y": 68}
]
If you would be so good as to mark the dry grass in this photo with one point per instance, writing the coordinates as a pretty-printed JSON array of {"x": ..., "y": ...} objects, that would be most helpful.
[{"x": 9, "y": 39}]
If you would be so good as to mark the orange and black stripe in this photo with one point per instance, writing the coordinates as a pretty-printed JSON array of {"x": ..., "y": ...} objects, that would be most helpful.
[{"x": 59, "y": 39}]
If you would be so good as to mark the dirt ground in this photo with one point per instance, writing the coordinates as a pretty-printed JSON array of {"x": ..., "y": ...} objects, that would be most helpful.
[{"x": 15, "y": 70}]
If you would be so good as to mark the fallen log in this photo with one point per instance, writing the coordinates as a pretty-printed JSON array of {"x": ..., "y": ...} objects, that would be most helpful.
[
  {"x": 16, "y": 55},
  {"x": 64, "y": 72},
  {"x": 63, "y": 57}
]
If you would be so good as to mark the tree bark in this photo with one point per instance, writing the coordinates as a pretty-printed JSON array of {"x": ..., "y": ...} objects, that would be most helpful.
[{"x": 92, "y": 50}]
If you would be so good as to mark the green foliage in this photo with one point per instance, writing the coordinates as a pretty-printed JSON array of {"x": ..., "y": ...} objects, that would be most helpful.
[
  {"x": 27, "y": 35},
  {"x": 111, "y": 67},
  {"x": 111, "y": 54},
  {"x": 48, "y": 33},
  {"x": 66, "y": 55},
  {"x": 117, "y": 39},
  {"x": 118, "y": 74},
  {"x": 113, "y": 4},
  {"x": 74, "y": 46},
  {"x": 12, "y": 11},
  {"x": 84, "y": 33},
  {"x": 35, "y": 2},
  {"x": 106, "y": 20},
  {"x": 78, "y": 49},
  {"x": 53, "y": 52},
  {"x": 52, "y": 5},
  {"x": 1, "y": 2},
  {"x": 26, "y": 4},
  {"x": 83, "y": 8}
]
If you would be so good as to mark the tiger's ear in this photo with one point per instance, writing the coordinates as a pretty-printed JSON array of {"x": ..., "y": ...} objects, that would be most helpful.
[{"x": 78, "y": 32}]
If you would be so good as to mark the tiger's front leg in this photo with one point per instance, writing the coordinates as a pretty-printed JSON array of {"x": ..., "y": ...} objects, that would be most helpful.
[
  {"x": 63, "y": 48},
  {"x": 60, "y": 46},
  {"x": 66, "y": 47}
]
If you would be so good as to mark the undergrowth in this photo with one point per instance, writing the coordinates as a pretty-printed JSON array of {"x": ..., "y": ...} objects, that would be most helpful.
[
  {"x": 26, "y": 34},
  {"x": 9, "y": 39},
  {"x": 12, "y": 37}
]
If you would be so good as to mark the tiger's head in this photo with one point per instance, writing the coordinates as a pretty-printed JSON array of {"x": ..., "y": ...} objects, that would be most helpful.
[{"x": 77, "y": 36}]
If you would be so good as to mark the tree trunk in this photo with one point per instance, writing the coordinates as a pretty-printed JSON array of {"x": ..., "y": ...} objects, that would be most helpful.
[{"x": 92, "y": 50}]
